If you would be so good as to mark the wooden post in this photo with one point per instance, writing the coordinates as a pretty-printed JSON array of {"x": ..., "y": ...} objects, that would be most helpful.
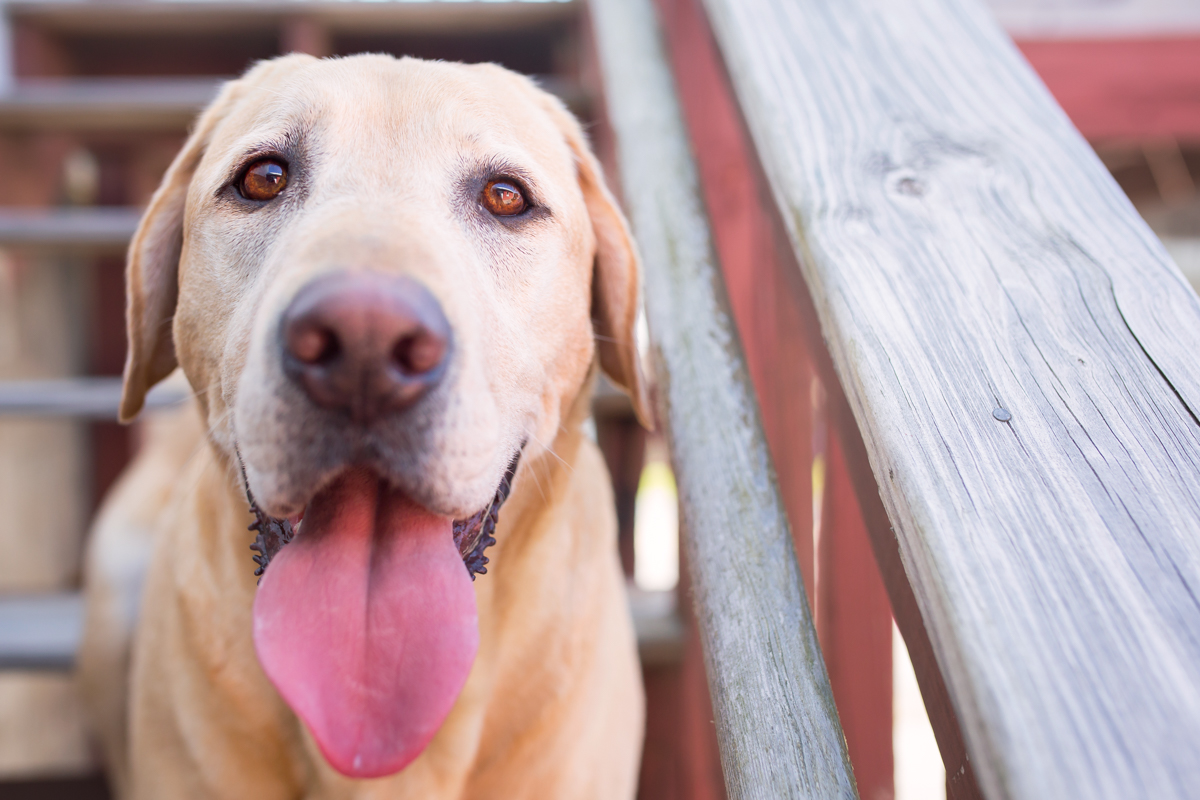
[
  {"x": 854, "y": 622},
  {"x": 773, "y": 709},
  {"x": 680, "y": 758},
  {"x": 305, "y": 35},
  {"x": 852, "y": 610}
]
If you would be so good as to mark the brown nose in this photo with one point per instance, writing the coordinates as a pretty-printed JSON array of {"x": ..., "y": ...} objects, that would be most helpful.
[{"x": 365, "y": 343}]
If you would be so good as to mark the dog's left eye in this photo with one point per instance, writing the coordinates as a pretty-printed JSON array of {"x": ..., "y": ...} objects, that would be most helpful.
[
  {"x": 264, "y": 180},
  {"x": 504, "y": 198}
]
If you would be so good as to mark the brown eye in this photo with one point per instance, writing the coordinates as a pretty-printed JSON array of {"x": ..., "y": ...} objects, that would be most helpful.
[
  {"x": 264, "y": 180},
  {"x": 504, "y": 199}
]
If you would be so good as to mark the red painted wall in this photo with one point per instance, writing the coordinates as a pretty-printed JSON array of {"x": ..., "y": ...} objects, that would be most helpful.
[{"x": 1124, "y": 88}]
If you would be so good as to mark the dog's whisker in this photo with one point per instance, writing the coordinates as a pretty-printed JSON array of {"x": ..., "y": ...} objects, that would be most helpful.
[
  {"x": 550, "y": 450},
  {"x": 537, "y": 481},
  {"x": 211, "y": 428},
  {"x": 194, "y": 394}
]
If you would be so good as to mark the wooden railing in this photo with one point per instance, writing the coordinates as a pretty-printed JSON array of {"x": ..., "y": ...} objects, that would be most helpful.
[
  {"x": 1010, "y": 373},
  {"x": 1019, "y": 356},
  {"x": 775, "y": 715}
]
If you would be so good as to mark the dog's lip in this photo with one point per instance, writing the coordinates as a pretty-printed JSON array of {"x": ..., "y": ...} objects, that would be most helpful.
[
  {"x": 460, "y": 524},
  {"x": 298, "y": 517}
]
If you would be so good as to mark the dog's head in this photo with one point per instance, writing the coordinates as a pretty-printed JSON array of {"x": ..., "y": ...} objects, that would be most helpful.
[{"x": 383, "y": 279}]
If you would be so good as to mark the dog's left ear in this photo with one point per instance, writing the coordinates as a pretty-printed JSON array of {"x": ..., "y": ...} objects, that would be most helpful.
[
  {"x": 151, "y": 272},
  {"x": 152, "y": 266},
  {"x": 615, "y": 277}
]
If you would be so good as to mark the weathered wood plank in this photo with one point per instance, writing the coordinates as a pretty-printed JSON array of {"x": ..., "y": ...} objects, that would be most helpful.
[
  {"x": 68, "y": 228},
  {"x": 148, "y": 104},
  {"x": 106, "y": 103},
  {"x": 40, "y": 632},
  {"x": 96, "y": 398},
  {"x": 132, "y": 16},
  {"x": 44, "y": 631},
  {"x": 774, "y": 712},
  {"x": 967, "y": 252}
]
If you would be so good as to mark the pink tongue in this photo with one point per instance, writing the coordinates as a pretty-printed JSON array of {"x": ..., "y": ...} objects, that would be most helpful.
[{"x": 366, "y": 624}]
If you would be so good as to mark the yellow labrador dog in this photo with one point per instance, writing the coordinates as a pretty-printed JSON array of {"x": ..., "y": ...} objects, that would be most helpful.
[{"x": 389, "y": 283}]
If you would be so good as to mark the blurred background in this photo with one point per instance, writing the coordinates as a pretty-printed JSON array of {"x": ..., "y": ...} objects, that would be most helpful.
[{"x": 96, "y": 97}]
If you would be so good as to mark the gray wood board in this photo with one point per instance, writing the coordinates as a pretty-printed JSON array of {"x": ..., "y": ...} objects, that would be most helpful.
[
  {"x": 92, "y": 397},
  {"x": 966, "y": 251},
  {"x": 43, "y": 632},
  {"x": 776, "y": 721},
  {"x": 142, "y": 104},
  {"x": 99, "y": 228},
  {"x": 105, "y": 103},
  {"x": 137, "y": 16},
  {"x": 40, "y": 632}
]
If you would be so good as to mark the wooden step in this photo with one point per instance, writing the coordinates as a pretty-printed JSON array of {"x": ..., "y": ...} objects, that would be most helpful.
[
  {"x": 43, "y": 631},
  {"x": 99, "y": 397},
  {"x": 147, "y": 104},
  {"x": 141, "y": 104},
  {"x": 90, "y": 398},
  {"x": 40, "y": 631},
  {"x": 135, "y": 16},
  {"x": 92, "y": 229}
]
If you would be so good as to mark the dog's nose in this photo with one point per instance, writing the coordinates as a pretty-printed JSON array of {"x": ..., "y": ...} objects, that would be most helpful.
[{"x": 366, "y": 343}]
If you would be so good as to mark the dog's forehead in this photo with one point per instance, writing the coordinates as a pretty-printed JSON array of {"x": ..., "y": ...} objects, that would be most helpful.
[{"x": 431, "y": 113}]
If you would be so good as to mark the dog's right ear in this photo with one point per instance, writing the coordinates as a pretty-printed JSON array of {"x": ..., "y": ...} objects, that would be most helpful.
[
  {"x": 616, "y": 284},
  {"x": 152, "y": 271}
]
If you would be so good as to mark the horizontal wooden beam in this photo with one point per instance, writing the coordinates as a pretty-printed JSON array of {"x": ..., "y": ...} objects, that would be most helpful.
[
  {"x": 96, "y": 228},
  {"x": 81, "y": 397},
  {"x": 135, "y": 16},
  {"x": 1019, "y": 354},
  {"x": 105, "y": 103},
  {"x": 40, "y": 632},
  {"x": 99, "y": 397},
  {"x": 146, "y": 104},
  {"x": 94, "y": 398},
  {"x": 44, "y": 631},
  {"x": 774, "y": 713},
  {"x": 659, "y": 627}
]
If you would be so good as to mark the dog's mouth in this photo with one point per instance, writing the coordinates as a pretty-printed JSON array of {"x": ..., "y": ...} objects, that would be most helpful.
[{"x": 365, "y": 620}]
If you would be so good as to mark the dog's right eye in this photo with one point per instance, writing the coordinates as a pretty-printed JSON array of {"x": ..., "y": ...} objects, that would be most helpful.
[
  {"x": 504, "y": 198},
  {"x": 264, "y": 180}
]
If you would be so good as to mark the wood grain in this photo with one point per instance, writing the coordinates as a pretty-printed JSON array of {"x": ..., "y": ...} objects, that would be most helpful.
[
  {"x": 966, "y": 251},
  {"x": 775, "y": 716}
]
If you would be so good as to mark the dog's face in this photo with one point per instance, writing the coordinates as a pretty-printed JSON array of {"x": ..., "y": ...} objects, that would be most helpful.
[
  {"x": 383, "y": 279},
  {"x": 389, "y": 167}
]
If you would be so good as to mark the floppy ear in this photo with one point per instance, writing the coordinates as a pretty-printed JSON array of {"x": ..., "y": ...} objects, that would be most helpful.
[
  {"x": 152, "y": 265},
  {"x": 615, "y": 276}
]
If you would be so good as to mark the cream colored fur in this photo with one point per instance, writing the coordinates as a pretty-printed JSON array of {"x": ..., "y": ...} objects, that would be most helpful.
[{"x": 383, "y": 153}]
